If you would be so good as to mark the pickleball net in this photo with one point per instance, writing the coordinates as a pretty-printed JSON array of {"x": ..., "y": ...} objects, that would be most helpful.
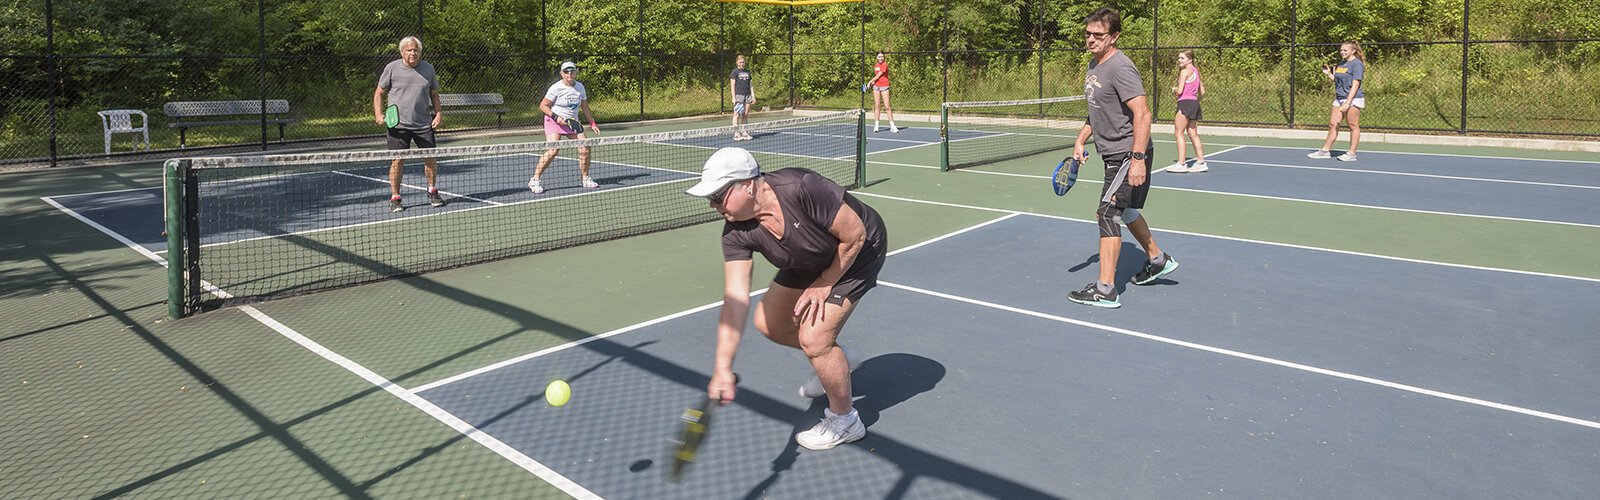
[
  {"x": 251, "y": 228},
  {"x": 984, "y": 132}
]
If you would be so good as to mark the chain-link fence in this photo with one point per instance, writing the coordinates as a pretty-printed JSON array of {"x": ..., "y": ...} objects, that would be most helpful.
[{"x": 1490, "y": 66}]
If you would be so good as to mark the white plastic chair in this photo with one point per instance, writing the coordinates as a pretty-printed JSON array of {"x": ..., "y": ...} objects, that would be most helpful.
[{"x": 116, "y": 121}]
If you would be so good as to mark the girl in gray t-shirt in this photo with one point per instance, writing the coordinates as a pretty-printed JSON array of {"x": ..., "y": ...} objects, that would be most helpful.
[{"x": 1348, "y": 99}]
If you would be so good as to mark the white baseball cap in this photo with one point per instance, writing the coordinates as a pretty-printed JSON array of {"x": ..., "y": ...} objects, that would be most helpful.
[
  {"x": 568, "y": 64},
  {"x": 725, "y": 166}
]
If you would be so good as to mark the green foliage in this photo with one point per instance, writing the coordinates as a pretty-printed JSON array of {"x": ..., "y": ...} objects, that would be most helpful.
[{"x": 324, "y": 55}]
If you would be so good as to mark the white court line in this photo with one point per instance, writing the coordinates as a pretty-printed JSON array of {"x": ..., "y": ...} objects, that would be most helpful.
[
  {"x": 1267, "y": 197},
  {"x": 1409, "y": 174},
  {"x": 1449, "y": 155},
  {"x": 850, "y": 137},
  {"x": 108, "y": 232},
  {"x": 1257, "y": 358},
  {"x": 1245, "y": 240},
  {"x": 502, "y": 364},
  {"x": 902, "y": 148},
  {"x": 477, "y": 435},
  {"x": 419, "y": 188},
  {"x": 525, "y": 357},
  {"x": 410, "y": 397},
  {"x": 1164, "y": 169}
]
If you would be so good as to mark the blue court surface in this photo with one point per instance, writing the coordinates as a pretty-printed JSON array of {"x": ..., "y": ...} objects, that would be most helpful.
[
  {"x": 1254, "y": 370},
  {"x": 1526, "y": 189}
]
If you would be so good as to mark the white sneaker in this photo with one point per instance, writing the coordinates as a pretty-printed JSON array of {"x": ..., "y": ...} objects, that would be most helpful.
[
  {"x": 832, "y": 431},
  {"x": 1198, "y": 167},
  {"x": 812, "y": 389},
  {"x": 1176, "y": 168},
  {"x": 534, "y": 185},
  {"x": 875, "y": 128},
  {"x": 590, "y": 183},
  {"x": 1347, "y": 157},
  {"x": 1319, "y": 154},
  {"x": 738, "y": 137},
  {"x": 893, "y": 128}
]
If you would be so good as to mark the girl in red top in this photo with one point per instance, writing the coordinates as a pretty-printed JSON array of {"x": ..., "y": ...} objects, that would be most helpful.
[{"x": 880, "y": 94}]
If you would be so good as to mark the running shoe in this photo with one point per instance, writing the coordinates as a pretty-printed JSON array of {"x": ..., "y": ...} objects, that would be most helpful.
[
  {"x": 1090, "y": 296},
  {"x": 1152, "y": 271},
  {"x": 832, "y": 431}
]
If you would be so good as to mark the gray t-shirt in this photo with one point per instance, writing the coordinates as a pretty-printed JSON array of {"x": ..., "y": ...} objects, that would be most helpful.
[
  {"x": 741, "y": 81},
  {"x": 1108, "y": 86},
  {"x": 411, "y": 90},
  {"x": 1344, "y": 74}
]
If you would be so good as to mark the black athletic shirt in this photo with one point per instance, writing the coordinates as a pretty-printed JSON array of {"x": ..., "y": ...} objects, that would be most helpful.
[
  {"x": 741, "y": 81},
  {"x": 809, "y": 202}
]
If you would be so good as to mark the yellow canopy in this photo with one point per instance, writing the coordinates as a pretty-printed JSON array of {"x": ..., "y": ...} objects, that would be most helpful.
[{"x": 792, "y": 2}]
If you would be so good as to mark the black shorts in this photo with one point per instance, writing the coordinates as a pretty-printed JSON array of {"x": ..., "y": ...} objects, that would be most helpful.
[
  {"x": 400, "y": 138},
  {"x": 862, "y": 276},
  {"x": 1190, "y": 108},
  {"x": 1116, "y": 192}
]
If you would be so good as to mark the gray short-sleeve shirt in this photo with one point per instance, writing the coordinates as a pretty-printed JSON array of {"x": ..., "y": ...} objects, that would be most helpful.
[
  {"x": 411, "y": 90},
  {"x": 1344, "y": 77},
  {"x": 1107, "y": 87}
]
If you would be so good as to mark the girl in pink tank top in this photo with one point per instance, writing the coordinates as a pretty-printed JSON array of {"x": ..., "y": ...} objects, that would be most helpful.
[{"x": 1185, "y": 124}]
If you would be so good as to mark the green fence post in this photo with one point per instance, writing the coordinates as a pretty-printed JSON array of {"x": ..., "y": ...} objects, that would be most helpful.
[{"x": 173, "y": 172}]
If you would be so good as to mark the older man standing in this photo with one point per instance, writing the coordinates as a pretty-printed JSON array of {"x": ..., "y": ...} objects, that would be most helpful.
[{"x": 412, "y": 89}]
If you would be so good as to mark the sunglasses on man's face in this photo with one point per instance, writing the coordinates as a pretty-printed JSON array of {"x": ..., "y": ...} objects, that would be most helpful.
[
  {"x": 570, "y": 70},
  {"x": 722, "y": 194}
]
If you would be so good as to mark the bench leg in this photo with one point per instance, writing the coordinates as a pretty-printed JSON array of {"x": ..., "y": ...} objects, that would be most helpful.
[
  {"x": 280, "y": 131},
  {"x": 182, "y": 136},
  {"x": 500, "y": 120}
]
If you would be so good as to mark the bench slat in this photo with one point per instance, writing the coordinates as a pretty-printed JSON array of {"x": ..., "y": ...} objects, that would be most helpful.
[
  {"x": 474, "y": 111},
  {"x": 233, "y": 122},
  {"x": 471, "y": 99},
  {"x": 180, "y": 109}
]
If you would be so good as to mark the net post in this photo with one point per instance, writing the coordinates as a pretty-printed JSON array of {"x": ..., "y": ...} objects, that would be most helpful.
[
  {"x": 173, "y": 174},
  {"x": 944, "y": 138},
  {"x": 191, "y": 235},
  {"x": 861, "y": 149}
]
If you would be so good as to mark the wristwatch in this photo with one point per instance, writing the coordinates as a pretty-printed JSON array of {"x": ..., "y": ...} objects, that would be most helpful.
[{"x": 1139, "y": 156}]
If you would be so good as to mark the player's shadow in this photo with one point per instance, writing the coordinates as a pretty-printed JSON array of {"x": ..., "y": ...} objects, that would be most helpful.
[
  {"x": 879, "y": 383},
  {"x": 1129, "y": 263}
]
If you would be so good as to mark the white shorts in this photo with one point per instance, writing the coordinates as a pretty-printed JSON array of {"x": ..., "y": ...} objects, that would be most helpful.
[
  {"x": 880, "y": 88},
  {"x": 1359, "y": 102}
]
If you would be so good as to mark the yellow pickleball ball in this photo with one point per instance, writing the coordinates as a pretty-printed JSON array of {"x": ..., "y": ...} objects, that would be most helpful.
[{"x": 557, "y": 393}]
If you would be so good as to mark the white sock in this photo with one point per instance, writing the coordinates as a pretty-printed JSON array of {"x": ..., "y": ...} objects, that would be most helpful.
[{"x": 848, "y": 417}]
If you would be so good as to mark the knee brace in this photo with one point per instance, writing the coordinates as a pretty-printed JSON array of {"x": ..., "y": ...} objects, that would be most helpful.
[
  {"x": 1129, "y": 215},
  {"x": 1107, "y": 218}
]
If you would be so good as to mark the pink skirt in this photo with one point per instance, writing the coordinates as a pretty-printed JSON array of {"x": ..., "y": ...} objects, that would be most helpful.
[{"x": 551, "y": 126}]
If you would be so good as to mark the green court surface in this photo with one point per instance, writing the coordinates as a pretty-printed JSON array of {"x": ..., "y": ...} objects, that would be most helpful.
[{"x": 302, "y": 397}]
